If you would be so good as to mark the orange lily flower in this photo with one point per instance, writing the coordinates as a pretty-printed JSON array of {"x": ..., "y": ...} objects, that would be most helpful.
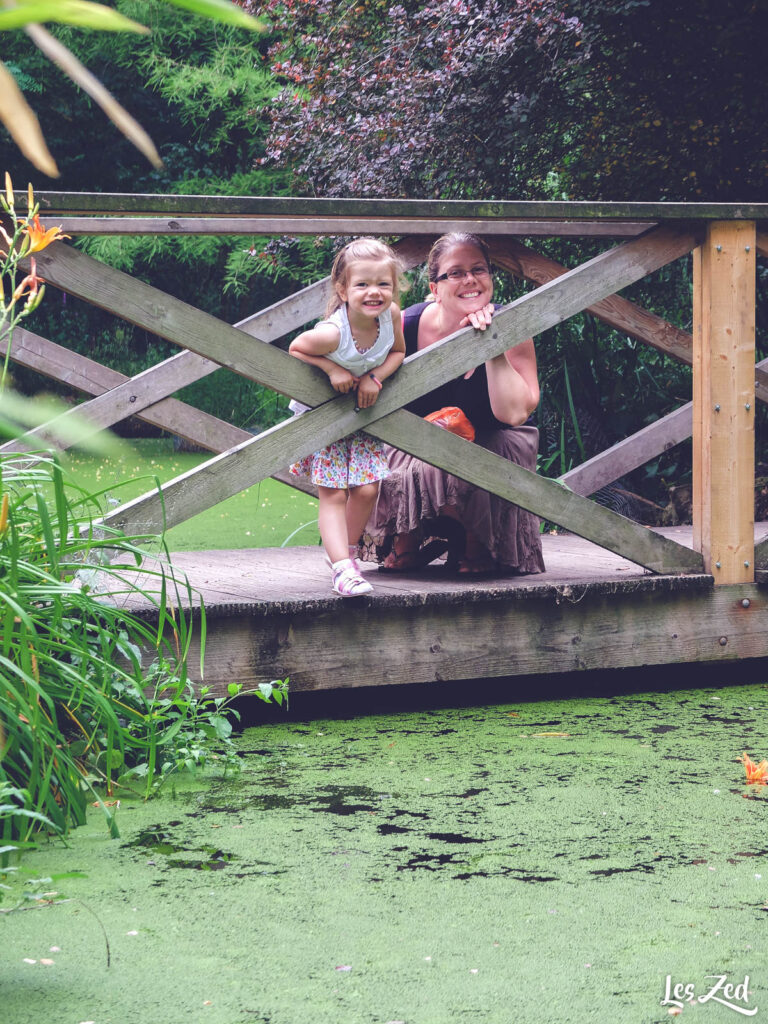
[
  {"x": 757, "y": 774},
  {"x": 39, "y": 237},
  {"x": 29, "y": 285}
]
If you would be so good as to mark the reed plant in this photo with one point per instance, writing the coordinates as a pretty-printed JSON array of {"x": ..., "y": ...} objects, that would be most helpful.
[{"x": 95, "y": 702}]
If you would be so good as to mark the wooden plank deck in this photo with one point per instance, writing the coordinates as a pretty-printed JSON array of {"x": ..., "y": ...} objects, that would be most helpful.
[{"x": 271, "y": 614}]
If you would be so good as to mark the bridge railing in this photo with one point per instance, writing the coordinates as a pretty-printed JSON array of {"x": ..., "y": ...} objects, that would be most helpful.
[{"x": 640, "y": 239}]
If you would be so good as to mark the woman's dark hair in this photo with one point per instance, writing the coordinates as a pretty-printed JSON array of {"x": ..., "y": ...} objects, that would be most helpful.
[{"x": 446, "y": 242}]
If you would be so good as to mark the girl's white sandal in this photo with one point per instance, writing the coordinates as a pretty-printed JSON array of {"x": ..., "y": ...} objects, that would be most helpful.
[{"x": 347, "y": 582}]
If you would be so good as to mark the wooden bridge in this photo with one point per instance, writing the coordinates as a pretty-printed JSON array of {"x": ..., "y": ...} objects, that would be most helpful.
[{"x": 615, "y": 594}]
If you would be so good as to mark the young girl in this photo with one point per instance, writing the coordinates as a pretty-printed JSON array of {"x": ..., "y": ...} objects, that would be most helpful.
[{"x": 359, "y": 345}]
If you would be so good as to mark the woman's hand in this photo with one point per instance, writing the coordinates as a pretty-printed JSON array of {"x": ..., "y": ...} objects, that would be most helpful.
[
  {"x": 480, "y": 319},
  {"x": 342, "y": 380}
]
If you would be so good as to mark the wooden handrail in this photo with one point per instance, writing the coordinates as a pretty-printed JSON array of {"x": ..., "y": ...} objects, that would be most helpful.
[{"x": 339, "y": 210}]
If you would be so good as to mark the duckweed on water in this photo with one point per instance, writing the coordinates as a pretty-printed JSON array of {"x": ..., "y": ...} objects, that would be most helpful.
[{"x": 455, "y": 864}]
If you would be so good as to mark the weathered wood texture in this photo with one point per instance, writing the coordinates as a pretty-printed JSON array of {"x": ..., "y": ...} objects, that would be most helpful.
[
  {"x": 724, "y": 400},
  {"x": 631, "y": 453},
  {"x": 170, "y": 414},
  {"x": 202, "y": 428},
  {"x": 145, "y": 393},
  {"x": 250, "y": 226},
  {"x": 271, "y": 614},
  {"x": 528, "y": 315},
  {"x": 617, "y": 312},
  {"x": 442, "y": 210}
]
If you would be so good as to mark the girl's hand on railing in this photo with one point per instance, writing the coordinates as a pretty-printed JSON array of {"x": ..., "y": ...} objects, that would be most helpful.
[
  {"x": 368, "y": 389},
  {"x": 342, "y": 380}
]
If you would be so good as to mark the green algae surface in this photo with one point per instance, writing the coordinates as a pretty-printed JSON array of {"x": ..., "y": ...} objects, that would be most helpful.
[{"x": 557, "y": 861}]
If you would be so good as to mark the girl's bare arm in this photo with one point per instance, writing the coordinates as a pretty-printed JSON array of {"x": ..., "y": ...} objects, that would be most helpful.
[{"x": 312, "y": 347}]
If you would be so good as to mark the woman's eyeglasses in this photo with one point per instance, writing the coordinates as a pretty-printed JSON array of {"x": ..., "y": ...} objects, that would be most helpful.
[{"x": 460, "y": 275}]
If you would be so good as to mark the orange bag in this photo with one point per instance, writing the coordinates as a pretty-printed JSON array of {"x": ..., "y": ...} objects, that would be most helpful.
[{"x": 453, "y": 419}]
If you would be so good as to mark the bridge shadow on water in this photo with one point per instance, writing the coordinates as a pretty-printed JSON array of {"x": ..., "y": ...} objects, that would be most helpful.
[{"x": 378, "y": 700}]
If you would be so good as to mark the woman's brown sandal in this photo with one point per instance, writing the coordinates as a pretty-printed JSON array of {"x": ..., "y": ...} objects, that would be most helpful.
[{"x": 415, "y": 558}]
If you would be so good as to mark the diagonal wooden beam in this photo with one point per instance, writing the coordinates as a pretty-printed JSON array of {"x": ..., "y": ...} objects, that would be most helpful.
[
  {"x": 423, "y": 371},
  {"x": 190, "y": 328},
  {"x": 133, "y": 394},
  {"x": 130, "y": 395},
  {"x": 186, "y": 496},
  {"x": 632, "y": 452},
  {"x": 84, "y": 374},
  {"x": 627, "y": 317},
  {"x": 543, "y": 497}
]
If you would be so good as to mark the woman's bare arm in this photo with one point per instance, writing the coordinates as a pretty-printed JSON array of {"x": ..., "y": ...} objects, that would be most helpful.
[{"x": 513, "y": 384}]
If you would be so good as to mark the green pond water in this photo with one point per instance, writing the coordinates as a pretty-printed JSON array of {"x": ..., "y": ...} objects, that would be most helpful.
[{"x": 537, "y": 861}]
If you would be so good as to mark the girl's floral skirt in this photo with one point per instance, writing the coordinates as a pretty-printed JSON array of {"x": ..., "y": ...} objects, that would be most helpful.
[{"x": 350, "y": 462}]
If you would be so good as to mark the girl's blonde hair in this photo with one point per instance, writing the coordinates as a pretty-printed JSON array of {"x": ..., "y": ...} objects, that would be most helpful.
[{"x": 363, "y": 249}]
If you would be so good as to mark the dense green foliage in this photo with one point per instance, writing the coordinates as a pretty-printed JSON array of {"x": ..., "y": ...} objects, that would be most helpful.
[
  {"x": 600, "y": 100},
  {"x": 194, "y": 86},
  {"x": 587, "y": 99},
  {"x": 670, "y": 107}
]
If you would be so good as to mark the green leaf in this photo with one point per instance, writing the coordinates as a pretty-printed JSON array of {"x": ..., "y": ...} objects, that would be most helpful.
[
  {"x": 223, "y": 727},
  {"x": 68, "y": 12},
  {"x": 221, "y": 10}
]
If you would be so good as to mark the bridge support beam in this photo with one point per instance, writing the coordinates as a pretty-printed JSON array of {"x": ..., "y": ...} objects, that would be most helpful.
[{"x": 724, "y": 400}]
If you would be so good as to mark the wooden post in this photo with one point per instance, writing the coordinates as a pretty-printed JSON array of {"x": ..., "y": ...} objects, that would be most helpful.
[{"x": 724, "y": 400}]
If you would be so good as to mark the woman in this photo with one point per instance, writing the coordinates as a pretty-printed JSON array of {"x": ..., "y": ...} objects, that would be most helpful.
[{"x": 418, "y": 503}]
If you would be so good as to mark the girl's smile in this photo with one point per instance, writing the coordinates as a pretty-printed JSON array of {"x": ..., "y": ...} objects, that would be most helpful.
[{"x": 368, "y": 289}]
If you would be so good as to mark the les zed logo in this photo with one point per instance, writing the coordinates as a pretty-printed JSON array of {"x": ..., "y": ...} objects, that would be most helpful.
[{"x": 721, "y": 992}]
